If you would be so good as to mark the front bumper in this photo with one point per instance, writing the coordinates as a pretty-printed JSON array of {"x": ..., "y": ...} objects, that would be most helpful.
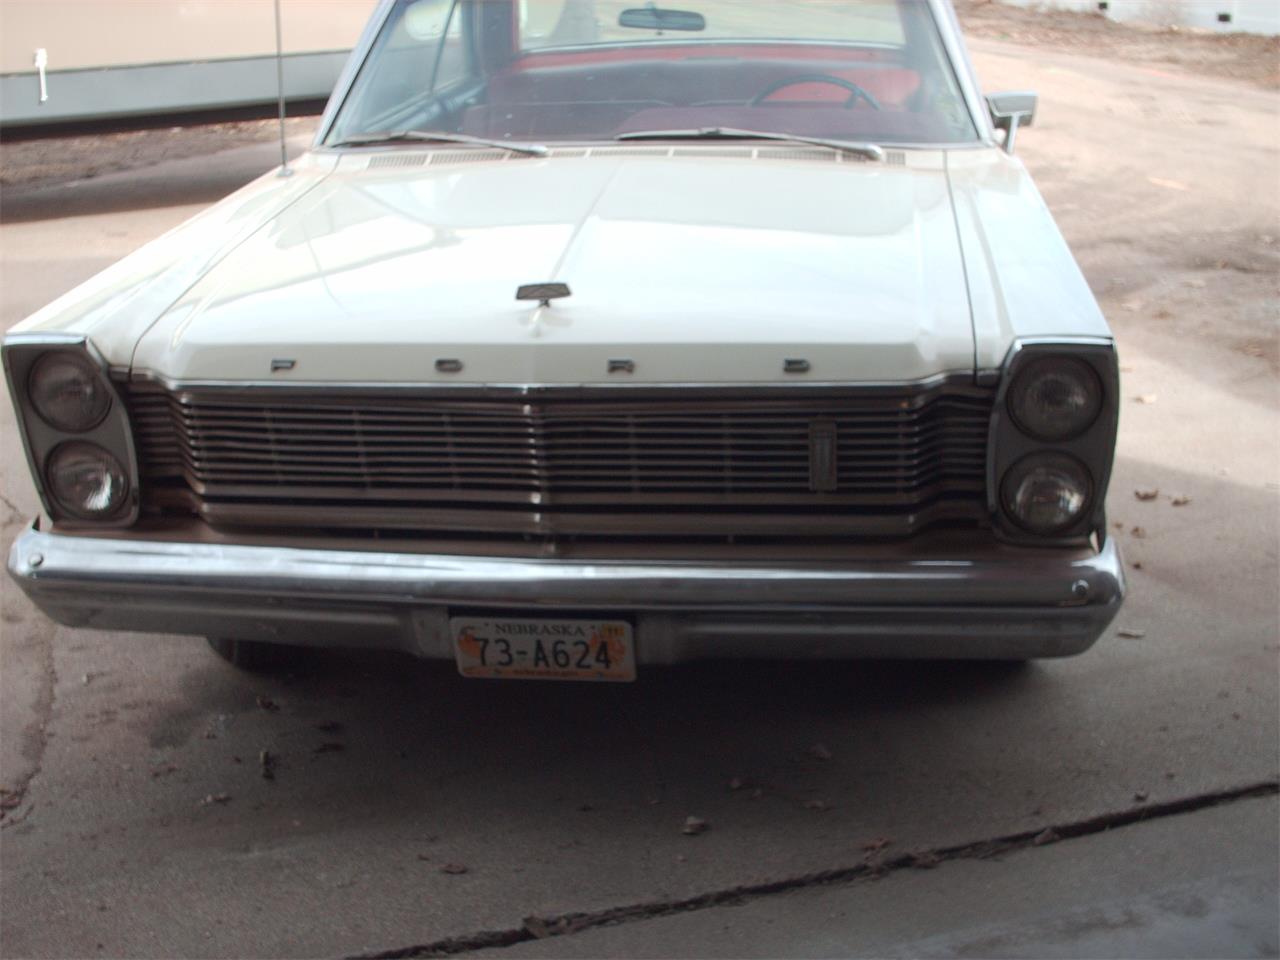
[{"x": 1005, "y": 605}]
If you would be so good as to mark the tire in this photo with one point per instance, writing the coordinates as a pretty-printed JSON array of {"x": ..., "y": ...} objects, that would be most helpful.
[{"x": 254, "y": 656}]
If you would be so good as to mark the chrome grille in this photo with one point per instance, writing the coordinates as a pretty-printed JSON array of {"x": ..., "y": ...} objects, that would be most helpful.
[{"x": 688, "y": 462}]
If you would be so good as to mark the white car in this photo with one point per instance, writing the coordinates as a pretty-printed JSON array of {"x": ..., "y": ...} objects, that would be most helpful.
[{"x": 591, "y": 335}]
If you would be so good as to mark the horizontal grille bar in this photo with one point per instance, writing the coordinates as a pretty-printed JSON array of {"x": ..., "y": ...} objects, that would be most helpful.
[{"x": 803, "y": 463}]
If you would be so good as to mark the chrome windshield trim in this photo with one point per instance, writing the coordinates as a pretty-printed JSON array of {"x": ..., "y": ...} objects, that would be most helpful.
[
  {"x": 346, "y": 79},
  {"x": 942, "y": 13}
]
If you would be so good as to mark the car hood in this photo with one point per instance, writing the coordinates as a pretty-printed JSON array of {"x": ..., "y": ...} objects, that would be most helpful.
[{"x": 697, "y": 268}]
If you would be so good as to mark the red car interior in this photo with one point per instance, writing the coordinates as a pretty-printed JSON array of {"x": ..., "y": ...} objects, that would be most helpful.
[{"x": 563, "y": 94}]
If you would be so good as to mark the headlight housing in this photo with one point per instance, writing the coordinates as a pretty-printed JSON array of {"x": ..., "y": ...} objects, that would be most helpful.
[
  {"x": 1055, "y": 398},
  {"x": 1046, "y": 493},
  {"x": 1052, "y": 440},
  {"x": 75, "y": 428},
  {"x": 86, "y": 480}
]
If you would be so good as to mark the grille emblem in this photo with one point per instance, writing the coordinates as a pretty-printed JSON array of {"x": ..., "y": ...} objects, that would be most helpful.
[{"x": 822, "y": 456}]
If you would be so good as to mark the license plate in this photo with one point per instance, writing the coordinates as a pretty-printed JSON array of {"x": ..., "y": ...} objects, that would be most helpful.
[{"x": 537, "y": 649}]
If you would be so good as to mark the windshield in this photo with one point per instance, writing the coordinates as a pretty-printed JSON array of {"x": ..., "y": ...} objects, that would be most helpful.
[{"x": 594, "y": 70}]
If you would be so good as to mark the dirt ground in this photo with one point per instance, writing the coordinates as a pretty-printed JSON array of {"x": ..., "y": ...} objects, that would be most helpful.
[
  {"x": 72, "y": 155},
  {"x": 1238, "y": 56}
]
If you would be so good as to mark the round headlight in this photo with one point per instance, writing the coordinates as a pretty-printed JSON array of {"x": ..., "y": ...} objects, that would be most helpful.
[
  {"x": 1055, "y": 398},
  {"x": 67, "y": 391},
  {"x": 1045, "y": 493},
  {"x": 87, "y": 481}
]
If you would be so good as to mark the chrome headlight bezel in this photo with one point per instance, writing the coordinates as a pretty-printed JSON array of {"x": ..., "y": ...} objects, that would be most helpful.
[
  {"x": 1090, "y": 443},
  {"x": 22, "y": 352}
]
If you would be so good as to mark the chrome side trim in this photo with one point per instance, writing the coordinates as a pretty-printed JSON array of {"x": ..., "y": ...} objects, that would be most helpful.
[{"x": 1005, "y": 602}]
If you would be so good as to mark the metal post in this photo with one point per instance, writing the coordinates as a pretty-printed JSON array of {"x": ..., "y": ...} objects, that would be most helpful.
[{"x": 284, "y": 152}]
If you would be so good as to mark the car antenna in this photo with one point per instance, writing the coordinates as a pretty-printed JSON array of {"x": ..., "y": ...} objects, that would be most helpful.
[{"x": 284, "y": 152}]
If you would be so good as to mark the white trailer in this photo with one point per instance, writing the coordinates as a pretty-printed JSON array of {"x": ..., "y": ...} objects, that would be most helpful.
[
  {"x": 1221, "y": 16},
  {"x": 69, "y": 60}
]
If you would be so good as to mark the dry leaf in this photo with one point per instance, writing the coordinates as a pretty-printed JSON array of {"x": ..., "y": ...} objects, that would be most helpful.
[
  {"x": 1138, "y": 532},
  {"x": 454, "y": 868},
  {"x": 1181, "y": 501},
  {"x": 1147, "y": 398},
  {"x": 1130, "y": 634},
  {"x": 694, "y": 826},
  {"x": 1146, "y": 494}
]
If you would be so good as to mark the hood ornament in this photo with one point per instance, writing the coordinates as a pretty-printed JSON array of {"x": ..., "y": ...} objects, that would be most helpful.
[{"x": 544, "y": 293}]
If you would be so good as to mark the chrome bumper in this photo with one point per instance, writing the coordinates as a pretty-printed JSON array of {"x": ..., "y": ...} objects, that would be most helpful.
[{"x": 1024, "y": 604}]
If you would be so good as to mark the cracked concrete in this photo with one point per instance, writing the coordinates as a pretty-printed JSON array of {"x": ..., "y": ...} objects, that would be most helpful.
[
  {"x": 567, "y": 801},
  {"x": 875, "y": 865},
  {"x": 1155, "y": 900},
  {"x": 27, "y": 677}
]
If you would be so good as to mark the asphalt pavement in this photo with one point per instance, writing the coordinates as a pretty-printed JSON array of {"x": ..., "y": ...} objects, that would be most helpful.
[{"x": 1120, "y": 803}]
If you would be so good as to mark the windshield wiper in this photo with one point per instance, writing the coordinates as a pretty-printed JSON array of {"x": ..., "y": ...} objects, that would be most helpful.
[
  {"x": 434, "y": 136},
  {"x": 868, "y": 150}
]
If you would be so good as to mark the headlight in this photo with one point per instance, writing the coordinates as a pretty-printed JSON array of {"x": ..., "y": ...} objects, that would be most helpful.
[
  {"x": 1055, "y": 398},
  {"x": 86, "y": 480},
  {"x": 1046, "y": 492},
  {"x": 67, "y": 392}
]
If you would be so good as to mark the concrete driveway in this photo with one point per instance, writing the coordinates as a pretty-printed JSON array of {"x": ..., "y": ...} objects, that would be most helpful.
[{"x": 1119, "y": 803}]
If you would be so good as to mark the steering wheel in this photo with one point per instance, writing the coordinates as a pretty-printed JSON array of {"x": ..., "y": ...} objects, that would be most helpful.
[{"x": 856, "y": 92}]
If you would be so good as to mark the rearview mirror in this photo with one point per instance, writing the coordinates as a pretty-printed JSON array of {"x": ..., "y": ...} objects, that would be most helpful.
[
  {"x": 655, "y": 18},
  {"x": 1009, "y": 111}
]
